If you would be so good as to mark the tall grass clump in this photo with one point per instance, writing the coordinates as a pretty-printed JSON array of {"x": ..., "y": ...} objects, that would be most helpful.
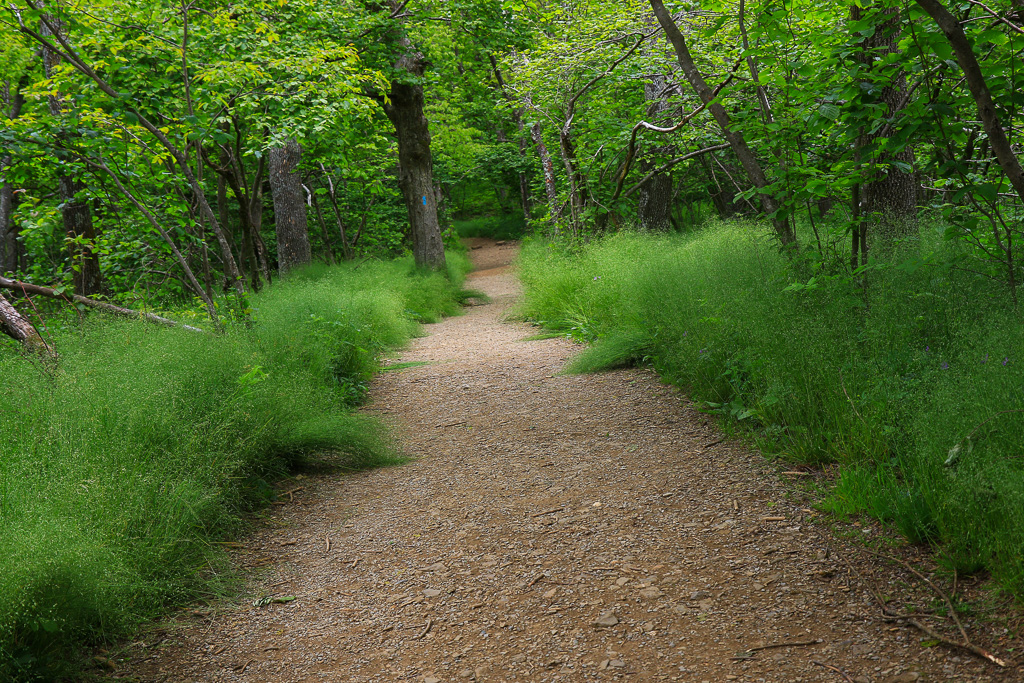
[
  {"x": 124, "y": 463},
  {"x": 914, "y": 384}
]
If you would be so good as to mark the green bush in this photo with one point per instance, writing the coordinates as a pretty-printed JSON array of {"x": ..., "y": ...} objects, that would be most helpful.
[
  {"x": 500, "y": 227},
  {"x": 885, "y": 381},
  {"x": 120, "y": 467}
]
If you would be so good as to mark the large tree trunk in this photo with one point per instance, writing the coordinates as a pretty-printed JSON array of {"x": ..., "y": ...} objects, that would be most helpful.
[
  {"x": 736, "y": 141},
  {"x": 415, "y": 167},
  {"x": 404, "y": 108},
  {"x": 289, "y": 207},
  {"x": 75, "y": 212},
  {"x": 890, "y": 192}
]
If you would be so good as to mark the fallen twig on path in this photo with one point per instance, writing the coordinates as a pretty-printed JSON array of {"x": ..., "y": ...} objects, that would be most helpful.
[
  {"x": 548, "y": 512},
  {"x": 749, "y": 652},
  {"x": 846, "y": 676},
  {"x": 798, "y": 643},
  {"x": 426, "y": 630},
  {"x": 913, "y": 621}
]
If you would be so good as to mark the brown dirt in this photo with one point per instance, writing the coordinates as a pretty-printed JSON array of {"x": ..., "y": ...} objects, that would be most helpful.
[{"x": 550, "y": 528}]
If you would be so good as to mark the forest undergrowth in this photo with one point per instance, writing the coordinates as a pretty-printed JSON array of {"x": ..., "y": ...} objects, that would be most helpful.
[
  {"x": 909, "y": 385},
  {"x": 123, "y": 465}
]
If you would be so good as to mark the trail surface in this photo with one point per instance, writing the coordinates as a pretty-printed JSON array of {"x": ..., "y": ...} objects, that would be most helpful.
[{"x": 551, "y": 528}]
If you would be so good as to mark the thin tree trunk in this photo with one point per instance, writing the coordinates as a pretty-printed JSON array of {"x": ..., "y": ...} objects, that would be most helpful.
[
  {"x": 890, "y": 193},
  {"x": 324, "y": 234},
  {"x": 230, "y": 266},
  {"x": 75, "y": 212},
  {"x": 517, "y": 118},
  {"x": 548, "y": 170},
  {"x": 755, "y": 173},
  {"x": 289, "y": 207},
  {"x": 965, "y": 56},
  {"x": 332, "y": 193},
  {"x": 10, "y": 248},
  {"x": 189, "y": 275},
  {"x": 27, "y": 288}
]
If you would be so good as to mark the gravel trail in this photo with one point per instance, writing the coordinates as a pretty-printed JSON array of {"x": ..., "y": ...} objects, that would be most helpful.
[{"x": 550, "y": 528}]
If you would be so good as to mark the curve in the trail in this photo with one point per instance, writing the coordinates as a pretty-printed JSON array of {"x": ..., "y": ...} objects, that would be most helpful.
[{"x": 550, "y": 528}]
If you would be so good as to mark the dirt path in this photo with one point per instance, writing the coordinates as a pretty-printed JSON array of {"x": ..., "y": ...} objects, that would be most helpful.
[{"x": 552, "y": 528}]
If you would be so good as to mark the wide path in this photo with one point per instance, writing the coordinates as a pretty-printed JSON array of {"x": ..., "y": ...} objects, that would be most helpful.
[{"x": 551, "y": 528}]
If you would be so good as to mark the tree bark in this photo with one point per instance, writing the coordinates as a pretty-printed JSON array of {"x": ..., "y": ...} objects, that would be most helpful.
[
  {"x": 965, "y": 56},
  {"x": 404, "y": 108},
  {"x": 289, "y": 207},
  {"x": 415, "y": 166},
  {"x": 75, "y": 212},
  {"x": 755, "y": 173}
]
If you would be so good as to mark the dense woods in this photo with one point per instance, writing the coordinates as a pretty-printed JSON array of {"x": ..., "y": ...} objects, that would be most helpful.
[
  {"x": 851, "y": 170},
  {"x": 179, "y": 151}
]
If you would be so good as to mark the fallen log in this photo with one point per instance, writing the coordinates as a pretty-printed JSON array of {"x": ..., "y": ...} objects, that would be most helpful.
[
  {"x": 17, "y": 326},
  {"x": 27, "y": 288}
]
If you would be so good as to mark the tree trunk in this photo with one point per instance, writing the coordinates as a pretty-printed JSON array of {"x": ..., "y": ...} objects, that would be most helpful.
[
  {"x": 27, "y": 288},
  {"x": 404, "y": 108},
  {"x": 289, "y": 207},
  {"x": 890, "y": 192},
  {"x": 755, "y": 173},
  {"x": 75, "y": 212},
  {"x": 577, "y": 202},
  {"x": 415, "y": 167},
  {"x": 656, "y": 194},
  {"x": 517, "y": 118},
  {"x": 324, "y": 234},
  {"x": 10, "y": 248},
  {"x": 548, "y": 168}
]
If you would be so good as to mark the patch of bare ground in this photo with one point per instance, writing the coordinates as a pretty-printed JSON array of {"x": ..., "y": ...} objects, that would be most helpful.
[{"x": 556, "y": 528}]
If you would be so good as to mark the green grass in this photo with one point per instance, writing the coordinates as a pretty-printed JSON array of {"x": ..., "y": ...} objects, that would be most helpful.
[
  {"x": 121, "y": 467},
  {"x": 885, "y": 382}
]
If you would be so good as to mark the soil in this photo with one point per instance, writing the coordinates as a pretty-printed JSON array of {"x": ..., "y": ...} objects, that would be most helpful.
[{"x": 555, "y": 528}]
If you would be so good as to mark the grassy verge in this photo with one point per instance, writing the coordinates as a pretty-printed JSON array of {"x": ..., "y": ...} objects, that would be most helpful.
[
  {"x": 915, "y": 387},
  {"x": 120, "y": 467}
]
